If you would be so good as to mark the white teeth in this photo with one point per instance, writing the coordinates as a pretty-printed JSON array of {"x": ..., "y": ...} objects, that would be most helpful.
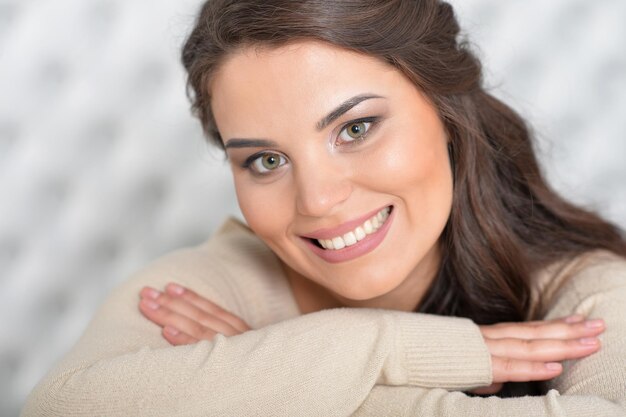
[
  {"x": 351, "y": 238},
  {"x": 367, "y": 226},
  {"x": 338, "y": 243},
  {"x": 375, "y": 223}
]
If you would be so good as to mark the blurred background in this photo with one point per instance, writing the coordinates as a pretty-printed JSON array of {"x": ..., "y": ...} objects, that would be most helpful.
[{"x": 102, "y": 168}]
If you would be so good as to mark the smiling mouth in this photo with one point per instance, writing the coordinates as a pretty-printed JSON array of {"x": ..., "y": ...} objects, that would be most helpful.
[{"x": 362, "y": 231}]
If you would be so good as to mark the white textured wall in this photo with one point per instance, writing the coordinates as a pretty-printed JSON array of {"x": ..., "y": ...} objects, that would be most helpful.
[
  {"x": 102, "y": 168},
  {"x": 562, "y": 64}
]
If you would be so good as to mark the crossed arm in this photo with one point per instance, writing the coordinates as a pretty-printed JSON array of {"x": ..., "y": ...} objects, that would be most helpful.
[
  {"x": 127, "y": 365},
  {"x": 520, "y": 352}
]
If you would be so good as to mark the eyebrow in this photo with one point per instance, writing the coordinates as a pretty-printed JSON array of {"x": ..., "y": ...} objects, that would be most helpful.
[
  {"x": 250, "y": 143},
  {"x": 343, "y": 108},
  {"x": 325, "y": 121}
]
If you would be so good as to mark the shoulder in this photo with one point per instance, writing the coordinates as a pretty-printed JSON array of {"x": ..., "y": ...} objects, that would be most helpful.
[
  {"x": 579, "y": 283},
  {"x": 233, "y": 268}
]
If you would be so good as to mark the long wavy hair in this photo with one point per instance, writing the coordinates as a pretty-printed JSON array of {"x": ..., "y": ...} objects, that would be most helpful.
[{"x": 506, "y": 222}]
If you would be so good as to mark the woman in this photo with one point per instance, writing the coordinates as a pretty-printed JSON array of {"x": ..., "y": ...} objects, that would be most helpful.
[{"x": 374, "y": 173}]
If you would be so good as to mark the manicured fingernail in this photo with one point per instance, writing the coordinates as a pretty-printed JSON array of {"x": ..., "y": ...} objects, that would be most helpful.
[
  {"x": 170, "y": 330},
  {"x": 150, "y": 304},
  {"x": 175, "y": 289},
  {"x": 576, "y": 318},
  {"x": 151, "y": 293},
  {"x": 590, "y": 341},
  {"x": 594, "y": 324},
  {"x": 553, "y": 366}
]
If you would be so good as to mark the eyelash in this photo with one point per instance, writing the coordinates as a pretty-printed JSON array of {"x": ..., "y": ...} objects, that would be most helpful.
[
  {"x": 247, "y": 164},
  {"x": 373, "y": 121}
]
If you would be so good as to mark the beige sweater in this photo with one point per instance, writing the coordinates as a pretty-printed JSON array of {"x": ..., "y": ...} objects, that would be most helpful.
[{"x": 337, "y": 362}]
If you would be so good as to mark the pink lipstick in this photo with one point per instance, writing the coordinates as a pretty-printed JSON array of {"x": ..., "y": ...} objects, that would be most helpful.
[{"x": 364, "y": 245}]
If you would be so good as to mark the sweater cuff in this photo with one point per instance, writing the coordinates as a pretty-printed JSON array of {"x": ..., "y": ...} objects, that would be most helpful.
[{"x": 441, "y": 352}]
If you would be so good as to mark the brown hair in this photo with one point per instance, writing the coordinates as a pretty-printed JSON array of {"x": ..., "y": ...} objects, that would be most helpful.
[{"x": 506, "y": 222}]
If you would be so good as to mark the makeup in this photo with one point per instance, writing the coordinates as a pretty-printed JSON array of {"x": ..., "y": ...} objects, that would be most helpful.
[
  {"x": 360, "y": 248},
  {"x": 338, "y": 160}
]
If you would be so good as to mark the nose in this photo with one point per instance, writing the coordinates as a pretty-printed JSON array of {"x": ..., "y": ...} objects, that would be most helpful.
[{"x": 320, "y": 189}]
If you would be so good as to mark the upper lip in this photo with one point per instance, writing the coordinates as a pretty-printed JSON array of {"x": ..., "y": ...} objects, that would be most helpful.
[{"x": 349, "y": 226}]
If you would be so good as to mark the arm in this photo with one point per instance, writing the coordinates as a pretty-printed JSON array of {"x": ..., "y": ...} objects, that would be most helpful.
[
  {"x": 593, "y": 386},
  {"x": 415, "y": 401},
  {"x": 318, "y": 364},
  {"x": 527, "y": 351}
]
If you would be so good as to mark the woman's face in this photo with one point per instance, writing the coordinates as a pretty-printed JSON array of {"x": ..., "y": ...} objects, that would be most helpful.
[{"x": 321, "y": 141}]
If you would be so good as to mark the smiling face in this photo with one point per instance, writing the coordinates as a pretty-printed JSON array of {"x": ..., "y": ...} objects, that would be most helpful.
[{"x": 321, "y": 142}]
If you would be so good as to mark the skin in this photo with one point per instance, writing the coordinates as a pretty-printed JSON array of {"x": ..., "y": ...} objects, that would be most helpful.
[
  {"x": 528, "y": 351},
  {"x": 326, "y": 181},
  {"x": 321, "y": 178}
]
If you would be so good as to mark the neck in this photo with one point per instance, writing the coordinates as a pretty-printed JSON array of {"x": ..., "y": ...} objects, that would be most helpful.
[{"x": 310, "y": 297}]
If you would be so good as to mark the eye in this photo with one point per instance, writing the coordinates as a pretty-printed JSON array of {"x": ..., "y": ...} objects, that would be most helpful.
[
  {"x": 355, "y": 131},
  {"x": 266, "y": 162}
]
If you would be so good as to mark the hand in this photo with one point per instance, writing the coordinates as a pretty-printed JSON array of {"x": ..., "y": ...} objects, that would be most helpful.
[
  {"x": 531, "y": 351},
  {"x": 187, "y": 317}
]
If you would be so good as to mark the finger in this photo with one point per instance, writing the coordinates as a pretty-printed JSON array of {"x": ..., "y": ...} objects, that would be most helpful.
[
  {"x": 546, "y": 330},
  {"x": 176, "y": 337},
  {"x": 184, "y": 308},
  {"x": 544, "y": 350},
  {"x": 163, "y": 316},
  {"x": 575, "y": 318},
  {"x": 207, "y": 305},
  {"x": 515, "y": 370},
  {"x": 491, "y": 389}
]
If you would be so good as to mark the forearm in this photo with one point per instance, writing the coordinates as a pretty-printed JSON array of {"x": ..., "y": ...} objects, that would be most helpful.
[
  {"x": 322, "y": 363},
  {"x": 591, "y": 386},
  {"x": 415, "y": 401}
]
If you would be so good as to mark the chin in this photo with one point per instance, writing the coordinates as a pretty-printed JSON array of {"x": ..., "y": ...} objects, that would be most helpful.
[{"x": 374, "y": 286}]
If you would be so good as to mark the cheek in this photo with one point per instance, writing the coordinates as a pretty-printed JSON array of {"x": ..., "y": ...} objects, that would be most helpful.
[
  {"x": 410, "y": 166},
  {"x": 430, "y": 201},
  {"x": 266, "y": 207}
]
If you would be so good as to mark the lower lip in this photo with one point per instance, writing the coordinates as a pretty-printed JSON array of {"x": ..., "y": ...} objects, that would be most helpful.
[{"x": 360, "y": 248}]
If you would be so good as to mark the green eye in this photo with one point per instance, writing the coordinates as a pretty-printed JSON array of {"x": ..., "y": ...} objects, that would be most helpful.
[
  {"x": 354, "y": 131},
  {"x": 268, "y": 162}
]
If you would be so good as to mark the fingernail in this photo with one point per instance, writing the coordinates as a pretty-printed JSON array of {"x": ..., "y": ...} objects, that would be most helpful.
[
  {"x": 151, "y": 293},
  {"x": 591, "y": 341},
  {"x": 553, "y": 366},
  {"x": 594, "y": 324},
  {"x": 175, "y": 289},
  {"x": 170, "y": 330},
  {"x": 150, "y": 304},
  {"x": 576, "y": 318}
]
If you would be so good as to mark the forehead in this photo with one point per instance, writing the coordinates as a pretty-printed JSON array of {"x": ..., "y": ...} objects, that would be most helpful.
[
  {"x": 301, "y": 63},
  {"x": 308, "y": 77}
]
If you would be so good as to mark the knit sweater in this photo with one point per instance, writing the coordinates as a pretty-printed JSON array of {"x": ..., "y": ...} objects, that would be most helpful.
[{"x": 335, "y": 362}]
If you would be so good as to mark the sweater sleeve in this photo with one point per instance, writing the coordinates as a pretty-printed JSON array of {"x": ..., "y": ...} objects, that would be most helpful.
[
  {"x": 593, "y": 386},
  {"x": 319, "y": 364}
]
